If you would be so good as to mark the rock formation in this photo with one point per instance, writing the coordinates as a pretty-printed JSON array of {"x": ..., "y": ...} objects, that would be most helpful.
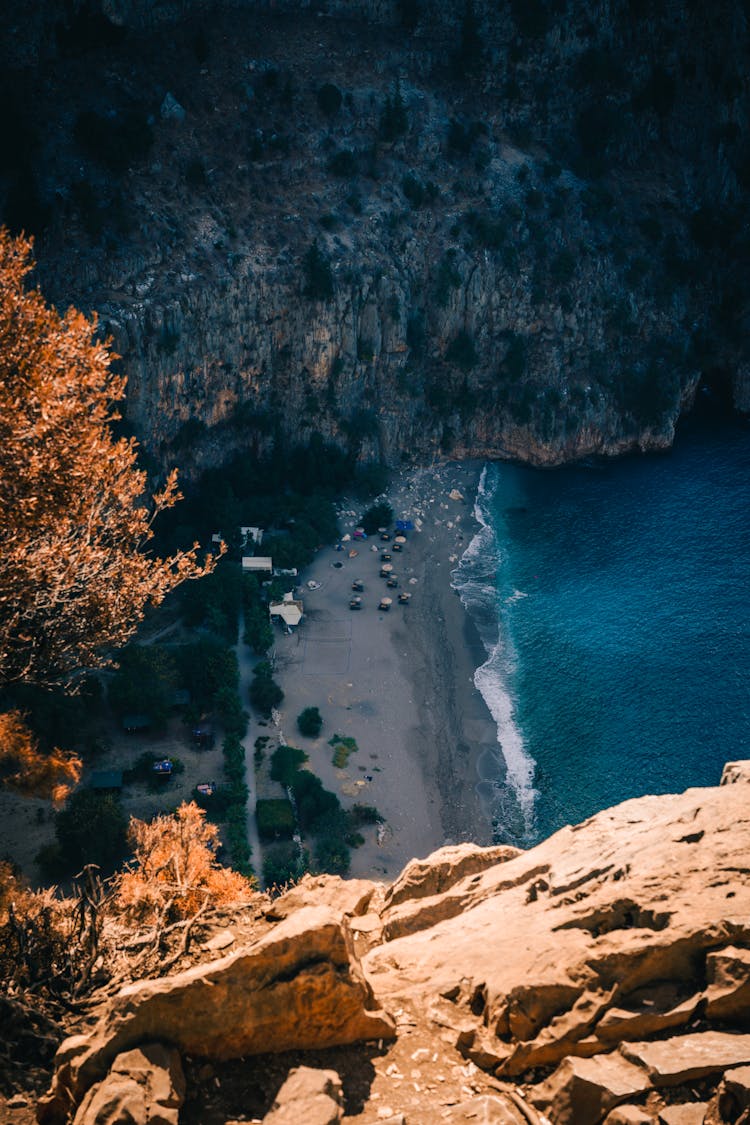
[
  {"x": 604, "y": 975},
  {"x": 507, "y": 264}
]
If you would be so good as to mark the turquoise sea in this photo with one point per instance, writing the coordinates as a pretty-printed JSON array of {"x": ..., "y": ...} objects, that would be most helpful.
[{"x": 613, "y": 599}]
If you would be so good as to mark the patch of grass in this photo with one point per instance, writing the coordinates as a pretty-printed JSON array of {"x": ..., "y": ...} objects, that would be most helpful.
[{"x": 343, "y": 747}]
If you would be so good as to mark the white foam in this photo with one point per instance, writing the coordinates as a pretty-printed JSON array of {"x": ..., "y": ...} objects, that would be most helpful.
[{"x": 475, "y": 578}]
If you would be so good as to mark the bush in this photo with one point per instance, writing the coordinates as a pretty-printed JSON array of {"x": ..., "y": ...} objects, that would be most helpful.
[
  {"x": 343, "y": 747},
  {"x": 285, "y": 764},
  {"x": 329, "y": 99},
  {"x": 332, "y": 855},
  {"x": 284, "y": 863},
  {"x": 265, "y": 694},
  {"x": 275, "y": 819},
  {"x": 310, "y": 722},
  {"x": 379, "y": 515},
  {"x": 92, "y": 828}
]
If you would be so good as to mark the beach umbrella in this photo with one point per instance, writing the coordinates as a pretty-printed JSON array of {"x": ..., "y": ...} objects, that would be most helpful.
[
  {"x": 385, "y": 603},
  {"x": 386, "y": 568},
  {"x": 400, "y": 539}
]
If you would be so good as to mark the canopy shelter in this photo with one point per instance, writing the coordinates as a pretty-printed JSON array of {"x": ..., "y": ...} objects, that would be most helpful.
[
  {"x": 262, "y": 564},
  {"x": 404, "y": 525},
  {"x": 106, "y": 780},
  {"x": 289, "y": 610}
]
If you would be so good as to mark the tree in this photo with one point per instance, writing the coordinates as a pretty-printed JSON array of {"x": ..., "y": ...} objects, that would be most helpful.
[
  {"x": 285, "y": 764},
  {"x": 310, "y": 722},
  {"x": 175, "y": 871},
  {"x": 468, "y": 58},
  {"x": 92, "y": 828},
  {"x": 75, "y": 519}
]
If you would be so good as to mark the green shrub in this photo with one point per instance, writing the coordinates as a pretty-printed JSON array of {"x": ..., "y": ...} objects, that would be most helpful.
[
  {"x": 314, "y": 802},
  {"x": 275, "y": 818},
  {"x": 310, "y": 722},
  {"x": 92, "y": 828},
  {"x": 379, "y": 515},
  {"x": 343, "y": 747},
  {"x": 265, "y": 693},
  {"x": 285, "y": 764},
  {"x": 332, "y": 855},
  {"x": 563, "y": 267},
  {"x": 284, "y": 863}
]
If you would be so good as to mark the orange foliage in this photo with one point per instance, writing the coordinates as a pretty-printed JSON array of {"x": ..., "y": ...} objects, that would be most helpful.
[
  {"x": 25, "y": 768},
  {"x": 74, "y": 519},
  {"x": 175, "y": 869}
]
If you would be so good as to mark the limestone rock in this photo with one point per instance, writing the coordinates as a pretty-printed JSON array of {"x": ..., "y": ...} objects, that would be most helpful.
[
  {"x": 575, "y": 945},
  {"x": 343, "y": 896},
  {"x": 735, "y": 773},
  {"x": 443, "y": 869},
  {"x": 734, "y": 1093},
  {"x": 298, "y": 987},
  {"x": 143, "y": 1085},
  {"x": 582, "y": 1090},
  {"x": 487, "y": 1109},
  {"x": 670, "y": 1062},
  {"x": 728, "y": 992},
  {"x": 309, "y": 1096},
  {"x": 629, "y": 1115},
  {"x": 689, "y": 1113}
]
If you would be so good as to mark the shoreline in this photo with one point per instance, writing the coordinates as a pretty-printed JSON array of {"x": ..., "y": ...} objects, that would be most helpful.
[{"x": 400, "y": 682}]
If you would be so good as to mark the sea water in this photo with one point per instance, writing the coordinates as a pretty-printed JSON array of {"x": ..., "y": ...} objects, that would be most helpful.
[{"x": 613, "y": 601}]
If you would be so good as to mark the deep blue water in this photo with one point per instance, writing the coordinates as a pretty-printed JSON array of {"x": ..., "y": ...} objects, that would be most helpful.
[{"x": 614, "y": 603}]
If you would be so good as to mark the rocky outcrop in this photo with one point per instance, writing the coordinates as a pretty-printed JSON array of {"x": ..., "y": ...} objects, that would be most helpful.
[
  {"x": 143, "y": 1085},
  {"x": 482, "y": 288},
  {"x": 601, "y": 976},
  {"x": 309, "y": 1096},
  {"x": 300, "y": 986}
]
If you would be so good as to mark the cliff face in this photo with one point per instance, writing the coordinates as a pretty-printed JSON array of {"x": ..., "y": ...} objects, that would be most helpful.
[
  {"x": 526, "y": 227},
  {"x": 607, "y": 967}
]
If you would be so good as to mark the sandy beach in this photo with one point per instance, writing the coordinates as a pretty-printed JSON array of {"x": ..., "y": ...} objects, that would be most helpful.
[{"x": 399, "y": 682}]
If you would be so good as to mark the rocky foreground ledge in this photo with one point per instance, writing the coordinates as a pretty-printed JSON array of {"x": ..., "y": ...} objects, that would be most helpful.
[{"x": 603, "y": 976}]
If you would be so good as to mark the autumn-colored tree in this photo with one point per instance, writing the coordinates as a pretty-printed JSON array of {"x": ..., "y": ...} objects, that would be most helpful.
[
  {"x": 175, "y": 871},
  {"x": 75, "y": 519},
  {"x": 25, "y": 768}
]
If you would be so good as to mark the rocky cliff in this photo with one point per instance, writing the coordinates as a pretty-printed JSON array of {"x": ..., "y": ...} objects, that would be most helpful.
[
  {"x": 486, "y": 230},
  {"x": 602, "y": 976}
]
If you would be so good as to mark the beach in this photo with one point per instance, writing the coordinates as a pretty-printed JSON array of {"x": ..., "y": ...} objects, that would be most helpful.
[{"x": 400, "y": 682}]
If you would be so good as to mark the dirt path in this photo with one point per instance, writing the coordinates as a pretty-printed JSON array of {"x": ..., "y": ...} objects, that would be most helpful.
[{"x": 246, "y": 661}]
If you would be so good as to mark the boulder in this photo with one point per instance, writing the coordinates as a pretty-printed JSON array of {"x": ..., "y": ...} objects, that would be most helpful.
[
  {"x": 728, "y": 993},
  {"x": 581, "y": 1091},
  {"x": 735, "y": 772},
  {"x": 344, "y": 896},
  {"x": 601, "y": 933},
  {"x": 299, "y": 987},
  {"x": 684, "y": 1058},
  {"x": 146, "y": 1084},
  {"x": 308, "y": 1095},
  {"x": 689, "y": 1113},
  {"x": 489, "y": 1109},
  {"x": 422, "y": 878},
  {"x": 629, "y": 1115},
  {"x": 734, "y": 1093}
]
